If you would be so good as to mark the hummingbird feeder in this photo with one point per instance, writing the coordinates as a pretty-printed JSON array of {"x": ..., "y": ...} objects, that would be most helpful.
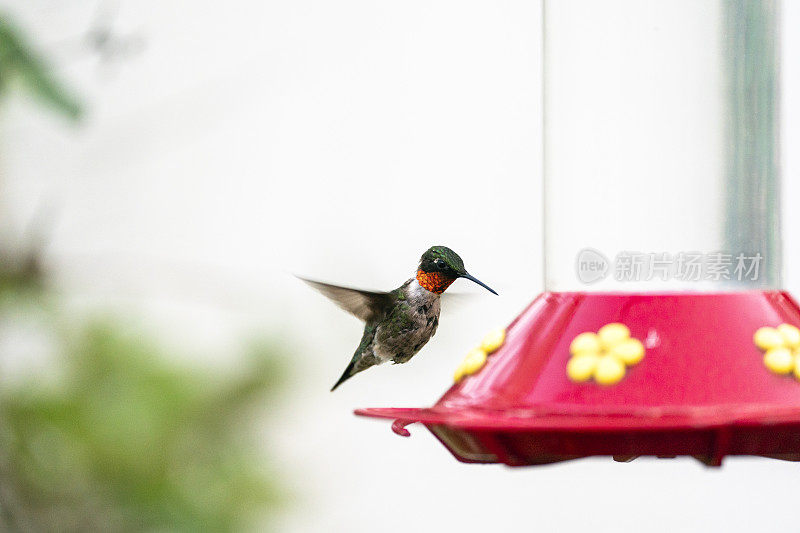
[{"x": 663, "y": 330}]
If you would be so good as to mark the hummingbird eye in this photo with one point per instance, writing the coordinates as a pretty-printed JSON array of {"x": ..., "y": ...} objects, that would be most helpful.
[{"x": 439, "y": 263}]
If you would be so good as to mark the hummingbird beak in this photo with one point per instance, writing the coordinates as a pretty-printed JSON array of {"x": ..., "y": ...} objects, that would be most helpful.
[{"x": 470, "y": 277}]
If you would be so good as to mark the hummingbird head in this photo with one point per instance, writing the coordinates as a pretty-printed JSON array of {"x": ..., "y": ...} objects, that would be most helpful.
[{"x": 440, "y": 266}]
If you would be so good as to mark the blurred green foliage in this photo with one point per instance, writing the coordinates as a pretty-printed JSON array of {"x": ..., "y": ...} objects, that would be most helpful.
[
  {"x": 117, "y": 436},
  {"x": 21, "y": 67},
  {"x": 123, "y": 441}
]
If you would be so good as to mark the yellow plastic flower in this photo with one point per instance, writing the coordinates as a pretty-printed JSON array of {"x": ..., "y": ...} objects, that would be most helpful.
[
  {"x": 630, "y": 351},
  {"x": 779, "y": 360},
  {"x": 790, "y": 334},
  {"x": 476, "y": 358},
  {"x": 581, "y": 367},
  {"x": 493, "y": 340},
  {"x": 766, "y": 338},
  {"x": 604, "y": 355},
  {"x": 610, "y": 370},
  {"x": 611, "y": 334},
  {"x": 585, "y": 342},
  {"x": 781, "y": 347}
]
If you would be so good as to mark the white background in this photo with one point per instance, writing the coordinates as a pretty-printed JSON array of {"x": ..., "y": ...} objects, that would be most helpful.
[{"x": 338, "y": 140}]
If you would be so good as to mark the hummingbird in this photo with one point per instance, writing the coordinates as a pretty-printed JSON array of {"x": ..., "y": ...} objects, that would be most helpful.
[{"x": 397, "y": 324}]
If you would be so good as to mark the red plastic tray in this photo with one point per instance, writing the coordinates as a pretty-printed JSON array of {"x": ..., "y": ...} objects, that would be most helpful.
[{"x": 701, "y": 390}]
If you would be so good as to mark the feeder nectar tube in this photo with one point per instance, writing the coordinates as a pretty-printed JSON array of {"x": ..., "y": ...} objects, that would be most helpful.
[{"x": 661, "y": 155}]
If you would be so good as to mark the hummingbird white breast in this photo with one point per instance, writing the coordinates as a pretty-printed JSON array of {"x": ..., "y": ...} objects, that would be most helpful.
[{"x": 420, "y": 310}]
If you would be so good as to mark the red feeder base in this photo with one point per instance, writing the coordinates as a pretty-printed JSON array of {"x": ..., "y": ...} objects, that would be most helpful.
[{"x": 701, "y": 390}]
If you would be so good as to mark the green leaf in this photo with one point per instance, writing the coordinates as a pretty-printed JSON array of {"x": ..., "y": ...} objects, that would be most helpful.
[{"x": 20, "y": 63}]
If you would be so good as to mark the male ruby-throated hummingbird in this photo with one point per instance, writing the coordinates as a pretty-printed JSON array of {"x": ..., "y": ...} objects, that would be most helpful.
[{"x": 400, "y": 322}]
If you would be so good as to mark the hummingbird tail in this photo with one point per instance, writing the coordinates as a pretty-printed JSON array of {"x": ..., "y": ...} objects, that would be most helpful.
[{"x": 363, "y": 358}]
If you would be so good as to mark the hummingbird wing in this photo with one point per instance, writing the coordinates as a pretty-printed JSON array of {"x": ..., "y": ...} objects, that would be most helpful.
[{"x": 366, "y": 305}]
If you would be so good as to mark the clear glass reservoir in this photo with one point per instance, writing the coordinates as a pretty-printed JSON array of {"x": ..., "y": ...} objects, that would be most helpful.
[{"x": 661, "y": 152}]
